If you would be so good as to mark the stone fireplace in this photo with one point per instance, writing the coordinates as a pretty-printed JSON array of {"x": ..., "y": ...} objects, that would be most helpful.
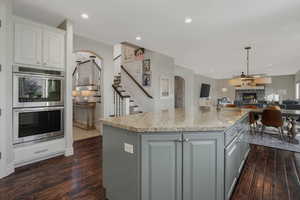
[{"x": 249, "y": 95}]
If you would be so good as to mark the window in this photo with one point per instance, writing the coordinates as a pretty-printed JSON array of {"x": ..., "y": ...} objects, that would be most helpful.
[{"x": 298, "y": 90}]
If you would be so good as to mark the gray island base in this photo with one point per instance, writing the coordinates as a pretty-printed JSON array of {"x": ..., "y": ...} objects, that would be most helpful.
[{"x": 174, "y": 155}]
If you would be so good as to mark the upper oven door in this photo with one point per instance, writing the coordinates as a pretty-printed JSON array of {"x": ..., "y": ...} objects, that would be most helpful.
[{"x": 37, "y": 90}]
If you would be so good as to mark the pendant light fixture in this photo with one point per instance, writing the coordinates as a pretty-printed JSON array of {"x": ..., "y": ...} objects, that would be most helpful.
[{"x": 247, "y": 80}]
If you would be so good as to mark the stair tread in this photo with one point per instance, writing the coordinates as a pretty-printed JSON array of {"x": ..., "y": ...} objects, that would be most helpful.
[{"x": 134, "y": 106}]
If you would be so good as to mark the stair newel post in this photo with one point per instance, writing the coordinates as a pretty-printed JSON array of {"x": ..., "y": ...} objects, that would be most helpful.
[
  {"x": 122, "y": 107},
  {"x": 115, "y": 103},
  {"x": 119, "y": 103}
]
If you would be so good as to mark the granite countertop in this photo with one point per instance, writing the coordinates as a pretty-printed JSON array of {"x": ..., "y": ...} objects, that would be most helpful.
[{"x": 177, "y": 120}]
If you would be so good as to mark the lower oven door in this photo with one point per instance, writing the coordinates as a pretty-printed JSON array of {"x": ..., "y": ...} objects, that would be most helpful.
[{"x": 34, "y": 124}]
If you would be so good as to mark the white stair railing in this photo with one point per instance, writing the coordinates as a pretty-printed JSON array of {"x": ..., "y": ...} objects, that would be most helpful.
[{"x": 121, "y": 103}]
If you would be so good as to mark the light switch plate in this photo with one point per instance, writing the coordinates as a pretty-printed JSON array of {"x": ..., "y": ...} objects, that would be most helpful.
[{"x": 128, "y": 148}]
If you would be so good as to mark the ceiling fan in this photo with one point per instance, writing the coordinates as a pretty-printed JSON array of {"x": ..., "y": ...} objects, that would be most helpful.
[{"x": 250, "y": 80}]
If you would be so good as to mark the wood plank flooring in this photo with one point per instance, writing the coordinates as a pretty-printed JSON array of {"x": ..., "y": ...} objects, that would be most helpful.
[
  {"x": 75, "y": 177},
  {"x": 268, "y": 174}
]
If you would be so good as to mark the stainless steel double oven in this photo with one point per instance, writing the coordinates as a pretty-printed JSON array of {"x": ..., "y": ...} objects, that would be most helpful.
[{"x": 38, "y": 104}]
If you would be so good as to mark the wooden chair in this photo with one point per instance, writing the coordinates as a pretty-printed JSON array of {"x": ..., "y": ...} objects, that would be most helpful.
[
  {"x": 273, "y": 108},
  {"x": 272, "y": 118}
]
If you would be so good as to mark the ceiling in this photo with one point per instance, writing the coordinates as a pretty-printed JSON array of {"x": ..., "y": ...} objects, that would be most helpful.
[{"x": 212, "y": 45}]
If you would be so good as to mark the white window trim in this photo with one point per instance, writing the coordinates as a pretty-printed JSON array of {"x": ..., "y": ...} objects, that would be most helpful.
[{"x": 298, "y": 90}]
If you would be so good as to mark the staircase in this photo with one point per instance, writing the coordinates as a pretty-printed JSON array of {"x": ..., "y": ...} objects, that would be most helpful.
[{"x": 124, "y": 104}]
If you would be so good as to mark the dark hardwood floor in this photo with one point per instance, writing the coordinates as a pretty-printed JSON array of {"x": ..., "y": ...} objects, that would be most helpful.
[
  {"x": 75, "y": 177},
  {"x": 268, "y": 174}
]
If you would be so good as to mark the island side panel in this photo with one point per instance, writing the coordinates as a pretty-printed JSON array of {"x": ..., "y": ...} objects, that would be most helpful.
[
  {"x": 203, "y": 165},
  {"x": 120, "y": 168}
]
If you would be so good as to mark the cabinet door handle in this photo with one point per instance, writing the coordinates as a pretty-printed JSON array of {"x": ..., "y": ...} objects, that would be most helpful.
[
  {"x": 41, "y": 151},
  {"x": 186, "y": 140},
  {"x": 179, "y": 140}
]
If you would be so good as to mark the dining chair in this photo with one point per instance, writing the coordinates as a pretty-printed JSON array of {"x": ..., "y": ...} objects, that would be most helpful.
[
  {"x": 272, "y": 118},
  {"x": 273, "y": 108}
]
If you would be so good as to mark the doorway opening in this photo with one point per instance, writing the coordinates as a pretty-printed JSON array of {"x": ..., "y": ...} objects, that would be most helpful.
[
  {"x": 179, "y": 92},
  {"x": 87, "y": 93}
]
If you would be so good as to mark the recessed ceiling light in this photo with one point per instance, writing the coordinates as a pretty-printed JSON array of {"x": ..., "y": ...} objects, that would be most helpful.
[
  {"x": 188, "y": 20},
  {"x": 84, "y": 16},
  {"x": 138, "y": 38}
]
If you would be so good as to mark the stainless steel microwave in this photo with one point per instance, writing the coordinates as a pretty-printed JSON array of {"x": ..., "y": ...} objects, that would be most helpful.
[
  {"x": 36, "y": 124},
  {"x": 34, "y": 87}
]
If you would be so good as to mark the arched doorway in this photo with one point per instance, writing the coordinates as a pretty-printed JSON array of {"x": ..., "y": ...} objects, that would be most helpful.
[
  {"x": 87, "y": 94},
  {"x": 179, "y": 89}
]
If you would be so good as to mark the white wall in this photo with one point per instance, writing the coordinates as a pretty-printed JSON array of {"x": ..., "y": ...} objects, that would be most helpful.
[
  {"x": 285, "y": 82},
  {"x": 198, "y": 80},
  {"x": 161, "y": 65},
  {"x": 282, "y": 83},
  {"x": 106, "y": 53},
  {"x": 223, "y": 83},
  {"x": 297, "y": 78},
  {"x": 188, "y": 75}
]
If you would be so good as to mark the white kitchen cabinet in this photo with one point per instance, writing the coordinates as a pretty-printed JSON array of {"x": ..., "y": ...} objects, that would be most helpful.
[
  {"x": 40, "y": 151},
  {"x": 27, "y": 43},
  {"x": 38, "y": 45},
  {"x": 53, "y": 49}
]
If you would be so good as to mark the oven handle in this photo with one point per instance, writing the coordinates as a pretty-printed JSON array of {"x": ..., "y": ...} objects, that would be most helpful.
[
  {"x": 39, "y": 76},
  {"x": 18, "y": 110}
]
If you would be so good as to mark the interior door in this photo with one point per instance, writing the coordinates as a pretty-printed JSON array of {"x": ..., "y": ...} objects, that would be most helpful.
[
  {"x": 27, "y": 43},
  {"x": 161, "y": 167},
  {"x": 53, "y": 51}
]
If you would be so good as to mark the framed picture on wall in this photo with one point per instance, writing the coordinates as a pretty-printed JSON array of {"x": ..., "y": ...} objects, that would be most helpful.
[
  {"x": 129, "y": 54},
  {"x": 147, "y": 73},
  {"x": 139, "y": 54},
  {"x": 165, "y": 87}
]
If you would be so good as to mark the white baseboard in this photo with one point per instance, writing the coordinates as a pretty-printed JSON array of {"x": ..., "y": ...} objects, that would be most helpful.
[
  {"x": 10, "y": 168},
  {"x": 69, "y": 152}
]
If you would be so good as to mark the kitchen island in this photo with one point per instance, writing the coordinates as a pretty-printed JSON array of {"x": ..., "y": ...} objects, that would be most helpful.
[{"x": 174, "y": 154}]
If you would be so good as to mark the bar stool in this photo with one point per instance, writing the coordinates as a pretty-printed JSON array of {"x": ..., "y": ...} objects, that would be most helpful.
[
  {"x": 230, "y": 106},
  {"x": 291, "y": 127},
  {"x": 253, "y": 118},
  {"x": 272, "y": 118}
]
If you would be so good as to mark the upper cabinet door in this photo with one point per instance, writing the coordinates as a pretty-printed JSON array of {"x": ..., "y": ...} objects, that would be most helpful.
[
  {"x": 27, "y": 44},
  {"x": 54, "y": 49}
]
